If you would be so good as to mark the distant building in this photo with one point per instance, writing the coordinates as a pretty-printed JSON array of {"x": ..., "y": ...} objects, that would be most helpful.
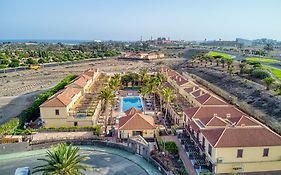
[
  {"x": 244, "y": 42},
  {"x": 143, "y": 55}
]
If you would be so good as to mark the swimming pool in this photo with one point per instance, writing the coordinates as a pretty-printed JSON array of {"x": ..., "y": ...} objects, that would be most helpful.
[{"x": 129, "y": 102}]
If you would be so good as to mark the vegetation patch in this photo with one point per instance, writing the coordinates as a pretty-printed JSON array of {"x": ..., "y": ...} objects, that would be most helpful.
[
  {"x": 223, "y": 55},
  {"x": 276, "y": 72},
  {"x": 263, "y": 60},
  {"x": 170, "y": 146},
  {"x": 9, "y": 126},
  {"x": 96, "y": 129}
]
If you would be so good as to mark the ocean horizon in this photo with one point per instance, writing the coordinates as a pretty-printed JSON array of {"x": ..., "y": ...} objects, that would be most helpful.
[{"x": 49, "y": 41}]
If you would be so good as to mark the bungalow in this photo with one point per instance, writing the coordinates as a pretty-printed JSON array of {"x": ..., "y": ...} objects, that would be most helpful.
[{"x": 136, "y": 123}]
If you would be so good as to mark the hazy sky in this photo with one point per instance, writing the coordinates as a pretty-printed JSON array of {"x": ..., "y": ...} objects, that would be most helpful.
[{"x": 130, "y": 19}]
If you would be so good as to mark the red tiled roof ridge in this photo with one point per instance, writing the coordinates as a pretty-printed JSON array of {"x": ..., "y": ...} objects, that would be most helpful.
[
  {"x": 133, "y": 116},
  {"x": 248, "y": 143},
  {"x": 220, "y": 137},
  {"x": 216, "y": 117}
]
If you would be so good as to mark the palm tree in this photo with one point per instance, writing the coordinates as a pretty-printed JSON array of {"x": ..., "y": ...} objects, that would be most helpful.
[
  {"x": 152, "y": 85},
  {"x": 115, "y": 83},
  {"x": 134, "y": 78},
  {"x": 210, "y": 59},
  {"x": 168, "y": 96},
  {"x": 63, "y": 160},
  {"x": 242, "y": 67},
  {"x": 229, "y": 61},
  {"x": 107, "y": 96},
  {"x": 222, "y": 60},
  {"x": 268, "y": 81},
  {"x": 125, "y": 79},
  {"x": 217, "y": 58},
  {"x": 143, "y": 76},
  {"x": 144, "y": 91}
]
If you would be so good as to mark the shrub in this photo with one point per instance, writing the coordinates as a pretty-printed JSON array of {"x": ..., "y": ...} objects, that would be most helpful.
[
  {"x": 260, "y": 74},
  {"x": 170, "y": 146},
  {"x": 9, "y": 126}
]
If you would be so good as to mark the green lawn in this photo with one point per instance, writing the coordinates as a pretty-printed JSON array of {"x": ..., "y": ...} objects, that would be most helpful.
[
  {"x": 276, "y": 72},
  {"x": 224, "y": 55},
  {"x": 264, "y": 60}
]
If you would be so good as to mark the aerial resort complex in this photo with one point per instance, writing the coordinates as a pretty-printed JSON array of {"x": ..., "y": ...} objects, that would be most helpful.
[
  {"x": 140, "y": 87},
  {"x": 147, "y": 112}
]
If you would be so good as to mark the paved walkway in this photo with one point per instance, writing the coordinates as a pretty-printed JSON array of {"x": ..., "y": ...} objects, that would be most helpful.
[{"x": 183, "y": 155}]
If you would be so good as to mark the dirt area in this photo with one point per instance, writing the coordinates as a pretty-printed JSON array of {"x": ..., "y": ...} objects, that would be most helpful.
[
  {"x": 252, "y": 93},
  {"x": 18, "y": 89}
]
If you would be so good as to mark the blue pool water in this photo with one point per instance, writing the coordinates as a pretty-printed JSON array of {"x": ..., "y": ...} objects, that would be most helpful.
[{"x": 129, "y": 102}]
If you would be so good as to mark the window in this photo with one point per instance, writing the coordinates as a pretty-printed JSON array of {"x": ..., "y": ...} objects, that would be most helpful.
[
  {"x": 265, "y": 152},
  {"x": 210, "y": 150},
  {"x": 75, "y": 123},
  {"x": 239, "y": 153},
  {"x": 57, "y": 112}
]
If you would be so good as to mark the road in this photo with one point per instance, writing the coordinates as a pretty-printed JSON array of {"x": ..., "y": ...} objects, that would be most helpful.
[{"x": 103, "y": 164}]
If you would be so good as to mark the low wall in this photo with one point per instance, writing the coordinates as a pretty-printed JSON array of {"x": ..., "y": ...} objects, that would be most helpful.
[{"x": 14, "y": 147}]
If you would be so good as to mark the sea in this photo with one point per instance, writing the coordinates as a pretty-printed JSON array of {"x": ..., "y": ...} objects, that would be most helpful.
[{"x": 66, "y": 42}]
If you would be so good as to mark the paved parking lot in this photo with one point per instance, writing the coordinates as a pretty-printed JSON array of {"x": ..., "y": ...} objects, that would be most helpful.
[{"x": 103, "y": 163}]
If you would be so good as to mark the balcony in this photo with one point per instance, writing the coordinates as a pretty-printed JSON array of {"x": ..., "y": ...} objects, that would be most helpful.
[{"x": 195, "y": 151}]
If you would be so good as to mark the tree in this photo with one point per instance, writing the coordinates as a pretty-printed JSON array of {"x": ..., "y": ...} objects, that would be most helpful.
[
  {"x": 31, "y": 61},
  {"x": 268, "y": 47},
  {"x": 14, "y": 63},
  {"x": 152, "y": 85},
  {"x": 143, "y": 76},
  {"x": 106, "y": 95},
  {"x": 223, "y": 60},
  {"x": 242, "y": 67},
  {"x": 278, "y": 89},
  {"x": 63, "y": 160},
  {"x": 144, "y": 91},
  {"x": 125, "y": 79},
  {"x": 115, "y": 82},
  {"x": 217, "y": 58},
  {"x": 168, "y": 96},
  {"x": 229, "y": 62},
  {"x": 268, "y": 81}
]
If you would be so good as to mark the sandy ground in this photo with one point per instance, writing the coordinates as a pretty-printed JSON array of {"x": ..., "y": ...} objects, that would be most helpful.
[{"x": 19, "y": 89}]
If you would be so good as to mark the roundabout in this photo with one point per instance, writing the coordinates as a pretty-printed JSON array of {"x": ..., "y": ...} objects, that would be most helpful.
[{"x": 104, "y": 160}]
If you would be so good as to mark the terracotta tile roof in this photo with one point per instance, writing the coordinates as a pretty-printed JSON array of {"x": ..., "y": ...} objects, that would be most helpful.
[
  {"x": 194, "y": 126},
  {"x": 198, "y": 93},
  {"x": 212, "y": 135},
  {"x": 191, "y": 89},
  {"x": 215, "y": 121},
  {"x": 247, "y": 121},
  {"x": 211, "y": 111},
  {"x": 190, "y": 112},
  {"x": 136, "y": 122},
  {"x": 62, "y": 98},
  {"x": 132, "y": 111},
  {"x": 81, "y": 81},
  {"x": 90, "y": 72},
  {"x": 242, "y": 137},
  {"x": 208, "y": 99},
  {"x": 203, "y": 98},
  {"x": 180, "y": 80}
]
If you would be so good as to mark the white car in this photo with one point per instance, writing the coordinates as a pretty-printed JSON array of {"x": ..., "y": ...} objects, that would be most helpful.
[{"x": 23, "y": 171}]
